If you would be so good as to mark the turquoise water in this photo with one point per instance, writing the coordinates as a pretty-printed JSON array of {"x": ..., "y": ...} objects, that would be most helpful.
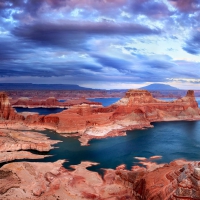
[
  {"x": 171, "y": 140},
  {"x": 105, "y": 101},
  {"x": 41, "y": 111}
]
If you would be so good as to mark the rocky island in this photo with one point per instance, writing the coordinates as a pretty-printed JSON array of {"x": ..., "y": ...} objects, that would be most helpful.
[{"x": 136, "y": 110}]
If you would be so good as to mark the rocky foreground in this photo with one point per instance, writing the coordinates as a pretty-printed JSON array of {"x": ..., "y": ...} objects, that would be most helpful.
[
  {"x": 15, "y": 145},
  {"x": 178, "y": 180}
]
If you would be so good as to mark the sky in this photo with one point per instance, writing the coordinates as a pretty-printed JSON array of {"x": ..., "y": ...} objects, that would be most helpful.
[{"x": 105, "y": 44}]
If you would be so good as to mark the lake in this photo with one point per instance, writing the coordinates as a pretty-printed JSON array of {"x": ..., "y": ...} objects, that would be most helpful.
[
  {"x": 171, "y": 140},
  {"x": 41, "y": 111},
  {"x": 105, "y": 101}
]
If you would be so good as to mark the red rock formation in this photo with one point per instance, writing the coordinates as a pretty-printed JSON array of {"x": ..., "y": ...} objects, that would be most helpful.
[
  {"x": 51, "y": 181},
  {"x": 177, "y": 180},
  {"x": 51, "y": 102},
  {"x": 136, "y": 110},
  {"x": 6, "y": 111},
  {"x": 12, "y": 144},
  {"x": 174, "y": 181}
]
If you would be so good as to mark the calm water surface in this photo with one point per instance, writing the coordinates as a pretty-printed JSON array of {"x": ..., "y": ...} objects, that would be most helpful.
[
  {"x": 171, "y": 140},
  {"x": 105, "y": 101},
  {"x": 41, "y": 111}
]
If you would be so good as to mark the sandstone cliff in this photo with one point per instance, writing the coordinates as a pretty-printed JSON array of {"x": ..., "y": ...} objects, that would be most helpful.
[{"x": 6, "y": 111}]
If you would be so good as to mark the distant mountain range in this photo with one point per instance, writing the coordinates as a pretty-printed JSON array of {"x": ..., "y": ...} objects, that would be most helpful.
[
  {"x": 157, "y": 86},
  {"x": 31, "y": 86}
]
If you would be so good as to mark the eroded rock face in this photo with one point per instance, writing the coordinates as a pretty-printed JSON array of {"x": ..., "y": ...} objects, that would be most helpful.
[
  {"x": 174, "y": 181},
  {"x": 26, "y": 102},
  {"x": 6, "y": 111},
  {"x": 8, "y": 180},
  {"x": 52, "y": 181},
  {"x": 14, "y": 143},
  {"x": 52, "y": 102}
]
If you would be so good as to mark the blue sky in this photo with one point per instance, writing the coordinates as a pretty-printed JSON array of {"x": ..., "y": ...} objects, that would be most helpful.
[{"x": 105, "y": 44}]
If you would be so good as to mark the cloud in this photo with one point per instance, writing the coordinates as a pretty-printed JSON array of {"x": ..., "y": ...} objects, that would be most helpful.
[
  {"x": 150, "y": 8},
  {"x": 36, "y": 8},
  {"x": 121, "y": 65},
  {"x": 184, "y": 80},
  {"x": 159, "y": 64},
  {"x": 74, "y": 35},
  {"x": 192, "y": 45},
  {"x": 186, "y": 6}
]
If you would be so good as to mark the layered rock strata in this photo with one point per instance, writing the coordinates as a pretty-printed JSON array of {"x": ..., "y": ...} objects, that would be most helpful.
[
  {"x": 6, "y": 111},
  {"x": 175, "y": 181},
  {"x": 134, "y": 111},
  {"x": 14, "y": 143},
  {"x": 52, "y": 102}
]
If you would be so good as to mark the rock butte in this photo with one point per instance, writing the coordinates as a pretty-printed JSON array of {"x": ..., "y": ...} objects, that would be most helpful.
[{"x": 178, "y": 180}]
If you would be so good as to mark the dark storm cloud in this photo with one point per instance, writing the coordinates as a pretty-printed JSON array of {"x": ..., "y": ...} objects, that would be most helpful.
[
  {"x": 119, "y": 64},
  {"x": 150, "y": 8},
  {"x": 186, "y": 6},
  {"x": 37, "y": 7},
  {"x": 192, "y": 46},
  {"x": 11, "y": 49},
  {"x": 74, "y": 35},
  {"x": 47, "y": 69},
  {"x": 29, "y": 6},
  {"x": 159, "y": 64}
]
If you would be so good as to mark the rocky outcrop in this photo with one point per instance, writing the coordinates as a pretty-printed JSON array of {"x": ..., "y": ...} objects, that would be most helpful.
[
  {"x": 19, "y": 155},
  {"x": 174, "y": 181},
  {"x": 6, "y": 111},
  {"x": 52, "y": 181},
  {"x": 177, "y": 180},
  {"x": 52, "y": 102},
  {"x": 13, "y": 143}
]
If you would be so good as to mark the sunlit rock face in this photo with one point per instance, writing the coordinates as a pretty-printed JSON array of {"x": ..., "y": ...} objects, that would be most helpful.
[
  {"x": 52, "y": 102},
  {"x": 29, "y": 103},
  {"x": 177, "y": 180},
  {"x": 136, "y": 97},
  {"x": 6, "y": 111}
]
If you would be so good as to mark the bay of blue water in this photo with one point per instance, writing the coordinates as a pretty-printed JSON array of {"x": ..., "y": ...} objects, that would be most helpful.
[
  {"x": 41, "y": 111},
  {"x": 171, "y": 140},
  {"x": 61, "y": 100},
  {"x": 105, "y": 101}
]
